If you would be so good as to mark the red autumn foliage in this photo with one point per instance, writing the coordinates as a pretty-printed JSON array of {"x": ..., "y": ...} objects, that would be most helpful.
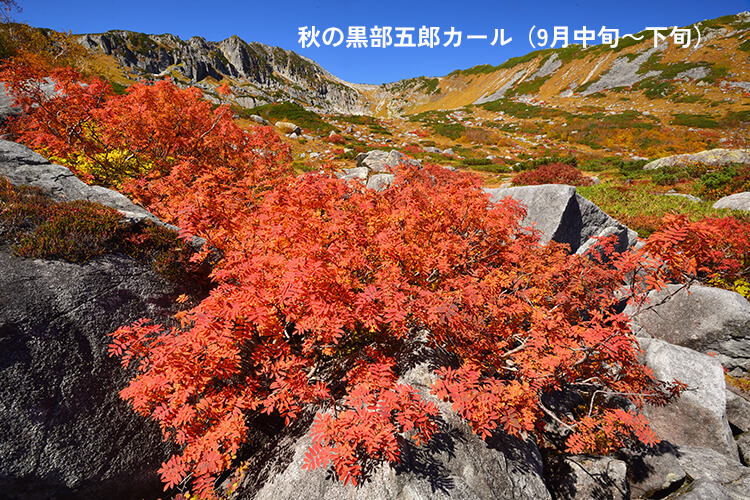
[
  {"x": 703, "y": 250},
  {"x": 323, "y": 282},
  {"x": 189, "y": 163},
  {"x": 552, "y": 173},
  {"x": 336, "y": 139}
]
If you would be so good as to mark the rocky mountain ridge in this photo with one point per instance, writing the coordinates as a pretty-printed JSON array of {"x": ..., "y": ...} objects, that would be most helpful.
[
  {"x": 713, "y": 77},
  {"x": 259, "y": 73}
]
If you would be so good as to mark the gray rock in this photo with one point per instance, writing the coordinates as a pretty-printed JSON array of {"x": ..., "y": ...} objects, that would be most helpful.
[
  {"x": 288, "y": 128},
  {"x": 704, "y": 319},
  {"x": 259, "y": 119},
  {"x": 380, "y": 161},
  {"x": 693, "y": 73},
  {"x": 357, "y": 173},
  {"x": 457, "y": 465},
  {"x": 653, "y": 470},
  {"x": 432, "y": 150},
  {"x": 703, "y": 490},
  {"x": 449, "y": 152},
  {"x": 261, "y": 73},
  {"x": 293, "y": 135},
  {"x": 705, "y": 466},
  {"x": 743, "y": 444},
  {"x": 623, "y": 72},
  {"x": 582, "y": 477},
  {"x": 379, "y": 182},
  {"x": 698, "y": 417},
  {"x": 738, "y": 410},
  {"x": 713, "y": 157},
  {"x": 564, "y": 216},
  {"x": 64, "y": 431},
  {"x": 737, "y": 201},
  {"x": 22, "y": 166},
  {"x": 686, "y": 196},
  {"x": 7, "y": 105}
]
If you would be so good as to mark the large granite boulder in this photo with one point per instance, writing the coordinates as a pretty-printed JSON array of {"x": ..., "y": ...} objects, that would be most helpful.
[
  {"x": 24, "y": 167},
  {"x": 714, "y": 157},
  {"x": 698, "y": 418},
  {"x": 564, "y": 216},
  {"x": 457, "y": 465},
  {"x": 702, "y": 318},
  {"x": 737, "y": 201},
  {"x": 64, "y": 431}
]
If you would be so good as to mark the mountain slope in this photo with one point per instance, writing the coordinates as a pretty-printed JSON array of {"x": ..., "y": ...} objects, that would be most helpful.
[
  {"x": 258, "y": 73},
  {"x": 712, "y": 79}
]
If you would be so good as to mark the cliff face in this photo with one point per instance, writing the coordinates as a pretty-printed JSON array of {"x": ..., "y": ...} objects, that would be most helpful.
[{"x": 258, "y": 73}]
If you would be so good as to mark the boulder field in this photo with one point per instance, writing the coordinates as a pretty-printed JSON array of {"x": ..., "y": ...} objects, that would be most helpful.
[{"x": 65, "y": 433}]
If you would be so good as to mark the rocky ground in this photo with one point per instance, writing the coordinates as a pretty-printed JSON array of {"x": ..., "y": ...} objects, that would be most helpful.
[{"x": 64, "y": 433}]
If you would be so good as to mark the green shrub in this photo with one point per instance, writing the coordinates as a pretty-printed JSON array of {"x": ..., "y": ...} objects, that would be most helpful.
[{"x": 696, "y": 121}]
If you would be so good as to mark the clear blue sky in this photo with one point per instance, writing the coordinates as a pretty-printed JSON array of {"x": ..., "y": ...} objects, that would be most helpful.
[{"x": 276, "y": 22}]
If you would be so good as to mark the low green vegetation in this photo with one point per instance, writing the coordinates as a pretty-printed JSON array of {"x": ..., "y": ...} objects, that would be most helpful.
[
  {"x": 291, "y": 112},
  {"x": 78, "y": 231},
  {"x": 641, "y": 207},
  {"x": 694, "y": 120}
]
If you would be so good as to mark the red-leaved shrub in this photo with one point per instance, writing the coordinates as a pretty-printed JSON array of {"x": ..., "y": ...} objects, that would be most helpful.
[{"x": 553, "y": 173}]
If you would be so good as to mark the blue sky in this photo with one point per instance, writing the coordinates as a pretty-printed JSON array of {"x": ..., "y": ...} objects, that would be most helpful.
[{"x": 277, "y": 22}]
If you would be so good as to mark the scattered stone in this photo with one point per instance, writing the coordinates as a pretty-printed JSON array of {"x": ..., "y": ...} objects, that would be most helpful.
[
  {"x": 449, "y": 152},
  {"x": 381, "y": 161},
  {"x": 702, "y": 318},
  {"x": 293, "y": 135},
  {"x": 259, "y": 119},
  {"x": 689, "y": 197},
  {"x": 432, "y": 150},
  {"x": 698, "y": 417},
  {"x": 288, "y": 128},
  {"x": 737, "y": 201},
  {"x": 358, "y": 173}
]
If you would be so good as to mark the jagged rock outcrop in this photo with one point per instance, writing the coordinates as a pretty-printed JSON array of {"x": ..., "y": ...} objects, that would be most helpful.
[
  {"x": 714, "y": 157},
  {"x": 265, "y": 74},
  {"x": 564, "y": 216}
]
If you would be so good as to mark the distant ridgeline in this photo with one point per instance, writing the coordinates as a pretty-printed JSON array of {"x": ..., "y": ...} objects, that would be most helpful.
[{"x": 260, "y": 74}]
